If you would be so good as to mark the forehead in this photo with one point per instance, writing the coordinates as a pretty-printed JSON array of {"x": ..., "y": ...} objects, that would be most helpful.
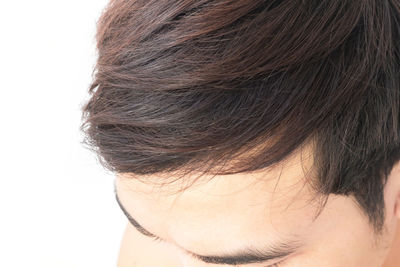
[{"x": 251, "y": 207}]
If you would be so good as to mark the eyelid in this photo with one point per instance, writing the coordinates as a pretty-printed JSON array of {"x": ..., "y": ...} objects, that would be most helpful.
[
  {"x": 277, "y": 264},
  {"x": 157, "y": 240}
]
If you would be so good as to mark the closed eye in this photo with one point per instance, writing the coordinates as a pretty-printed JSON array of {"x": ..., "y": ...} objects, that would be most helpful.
[
  {"x": 158, "y": 240},
  {"x": 274, "y": 265}
]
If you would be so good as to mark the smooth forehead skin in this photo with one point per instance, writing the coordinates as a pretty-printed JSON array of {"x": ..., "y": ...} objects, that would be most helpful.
[{"x": 230, "y": 212}]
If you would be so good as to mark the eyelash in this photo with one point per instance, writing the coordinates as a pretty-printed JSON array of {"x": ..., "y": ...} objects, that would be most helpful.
[
  {"x": 157, "y": 239},
  {"x": 278, "y": 264}
]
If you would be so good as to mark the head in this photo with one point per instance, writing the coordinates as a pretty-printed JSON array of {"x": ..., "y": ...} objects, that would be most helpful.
[{"x": 264, "y": 126}]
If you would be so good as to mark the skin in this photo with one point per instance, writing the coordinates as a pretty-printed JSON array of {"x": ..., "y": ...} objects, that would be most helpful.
[{"x": 232, "y": 211}]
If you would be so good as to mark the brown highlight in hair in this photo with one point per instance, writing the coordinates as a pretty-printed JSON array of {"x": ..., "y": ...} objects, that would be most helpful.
[{"x": 190, "y": 86}]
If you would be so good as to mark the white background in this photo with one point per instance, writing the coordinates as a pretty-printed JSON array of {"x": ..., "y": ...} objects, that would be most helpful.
[{"x": 57, "y": 205}]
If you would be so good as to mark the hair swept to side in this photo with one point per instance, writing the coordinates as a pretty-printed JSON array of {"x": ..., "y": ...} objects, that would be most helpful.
[{"x": 188, "y": 86}]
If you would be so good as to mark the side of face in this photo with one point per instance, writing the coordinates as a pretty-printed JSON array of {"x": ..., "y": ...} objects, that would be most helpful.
[{"x": 258, "y": 210}]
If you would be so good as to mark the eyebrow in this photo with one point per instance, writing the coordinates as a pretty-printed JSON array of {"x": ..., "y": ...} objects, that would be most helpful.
[{"x": 247, "y": 256}]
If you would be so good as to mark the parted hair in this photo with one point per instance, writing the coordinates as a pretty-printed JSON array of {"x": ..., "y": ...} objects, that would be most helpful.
[{"x": 189, "y": 86}]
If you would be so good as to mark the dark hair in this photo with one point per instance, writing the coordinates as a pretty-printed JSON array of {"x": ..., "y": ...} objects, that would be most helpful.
[{"x": 192, "y": 85}]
